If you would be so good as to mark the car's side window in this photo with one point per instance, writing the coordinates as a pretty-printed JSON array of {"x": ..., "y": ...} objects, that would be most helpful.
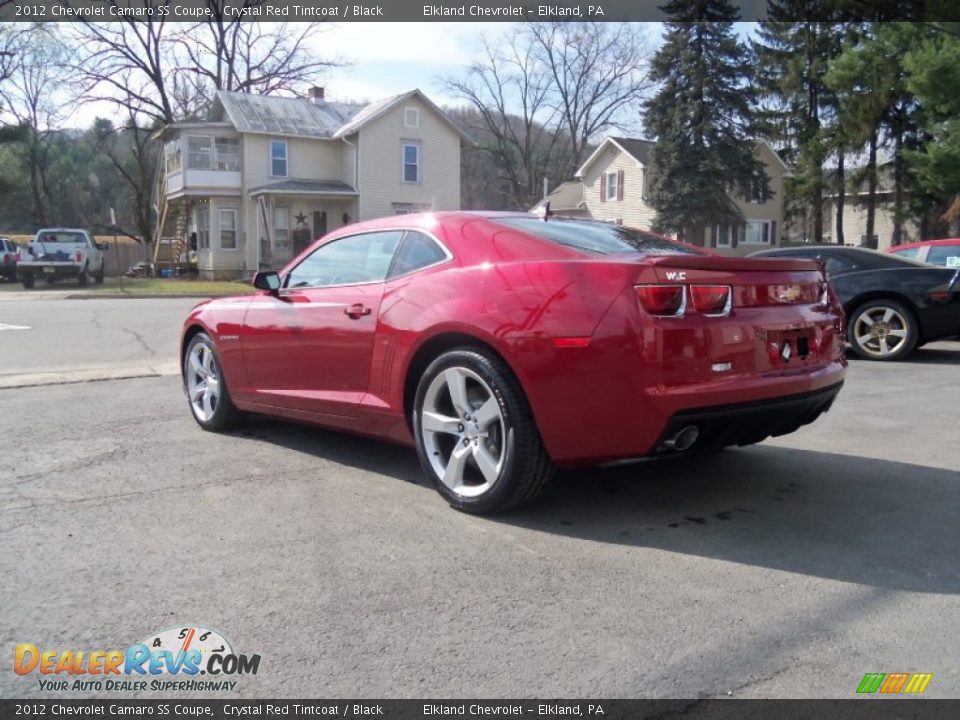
[
  {"x": 416, "y": 251},
  {"x": 911, "y": 253},
  {"x": 944, "y": 256},
  {"x": 349, "y": 260}
]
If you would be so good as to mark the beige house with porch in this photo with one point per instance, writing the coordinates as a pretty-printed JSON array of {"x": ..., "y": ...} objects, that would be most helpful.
[
  {"x": 265, "y": 176},
  {"x": 615, "y": 181}
]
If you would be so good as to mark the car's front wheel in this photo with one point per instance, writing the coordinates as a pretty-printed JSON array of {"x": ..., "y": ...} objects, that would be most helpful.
[
  {"x": 27, "y": 279},
  {"x": 883, "y": 330},
  {"x": 206, "y": 386},
  {"x": 475, "y": 434}
]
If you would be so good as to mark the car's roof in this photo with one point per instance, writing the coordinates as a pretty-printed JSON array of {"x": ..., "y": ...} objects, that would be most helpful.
[
  {"x": 865, "y": 258},
  {"x": 924, "y": 243}
]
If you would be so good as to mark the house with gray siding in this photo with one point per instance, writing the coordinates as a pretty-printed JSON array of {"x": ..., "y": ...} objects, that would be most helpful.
[{"x": 263, "y": 177}]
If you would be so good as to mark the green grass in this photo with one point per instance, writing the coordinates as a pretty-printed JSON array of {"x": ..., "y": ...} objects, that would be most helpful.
[{"x": 165, "y": 286}]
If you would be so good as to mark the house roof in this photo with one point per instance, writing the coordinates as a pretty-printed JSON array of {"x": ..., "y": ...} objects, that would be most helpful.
[
  {"x": 566, "y": 196},
  {"x": 282, "y": 116},
  {"x": 636, "y": 148},
  {"x": 270, "y": 115},
  {"x": 305, "y": 187},
  {"x": 640, "y": 149}
]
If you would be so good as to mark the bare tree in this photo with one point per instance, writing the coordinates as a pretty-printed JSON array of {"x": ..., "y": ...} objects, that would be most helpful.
[
  {"x": 31, "y": 99},
  {"x": 509, "y": 90},
  {"x": 129, "y": 62},
  {"x": 598, "y": 73},
  {"x": 547, "y": 91},
  {"x": 229, "y": 53}
]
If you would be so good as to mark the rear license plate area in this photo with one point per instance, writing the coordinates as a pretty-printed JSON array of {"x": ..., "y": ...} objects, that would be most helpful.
[
  {"x": 49, "y": 270},
  {"x": 792, "y": 345}
]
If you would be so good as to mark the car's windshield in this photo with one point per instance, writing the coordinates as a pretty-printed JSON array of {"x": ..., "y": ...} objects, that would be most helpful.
[
  {"x": 60, "y": 236},
  {"x": 597, "y": 237}
]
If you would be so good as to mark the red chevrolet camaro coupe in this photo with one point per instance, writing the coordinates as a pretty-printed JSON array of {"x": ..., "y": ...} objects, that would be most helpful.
[{"x": 502, "y": 346}]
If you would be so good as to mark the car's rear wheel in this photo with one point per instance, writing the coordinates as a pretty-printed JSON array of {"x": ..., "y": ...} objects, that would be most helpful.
[
  {"x": 475, "y": 434},
  {"x": 27, "y": 279},
  {"x": 207, "y": 390},
  {"x": 84, "y": 276},
  {"x": 98, "y": 278},
  {"x": 883, "y": 330}
]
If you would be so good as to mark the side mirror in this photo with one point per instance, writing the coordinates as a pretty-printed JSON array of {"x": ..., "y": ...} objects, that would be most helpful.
[
  {"x": 102, "y": 246},
  {"x": 267, "y": 280}
]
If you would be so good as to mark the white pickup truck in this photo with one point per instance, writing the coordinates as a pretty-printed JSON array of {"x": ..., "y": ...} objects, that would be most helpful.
[{"x": 57, "y": 253}]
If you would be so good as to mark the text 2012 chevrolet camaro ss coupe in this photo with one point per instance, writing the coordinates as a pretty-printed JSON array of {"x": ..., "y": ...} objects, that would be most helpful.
[{"x": 502, "y": 346}]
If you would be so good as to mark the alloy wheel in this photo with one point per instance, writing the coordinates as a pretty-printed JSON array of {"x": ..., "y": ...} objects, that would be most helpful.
[
  {"x": 881, "y": 331},
  {"x": 203, "y": 381},
  {"x": 463, "y": 431}
]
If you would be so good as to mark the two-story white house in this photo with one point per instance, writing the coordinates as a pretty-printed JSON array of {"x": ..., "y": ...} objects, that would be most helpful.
[
  {"x": 265, "y": 176},
  {"x": 614, "y": 182}
]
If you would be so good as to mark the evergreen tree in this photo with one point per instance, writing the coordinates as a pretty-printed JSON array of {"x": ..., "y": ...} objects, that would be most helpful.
[
  {"x": 933, "y": 74},
  {"x": 794, "y": 48},
  {"x": 702, "y": 118}
]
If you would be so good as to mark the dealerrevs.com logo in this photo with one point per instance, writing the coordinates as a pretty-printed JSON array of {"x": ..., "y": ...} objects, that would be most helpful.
[{"x": 172, "y": 659}]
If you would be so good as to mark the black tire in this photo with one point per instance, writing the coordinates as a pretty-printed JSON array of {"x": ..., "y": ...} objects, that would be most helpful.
[
  {"x": 524, "y": 466},
  {"x": 27, "y": 279},
  {"x": 98, "y": 278},
  {"x": 887, "y": 330},
  {"x": 84, "y": 277},
  {"x": 225, "y": 415}
]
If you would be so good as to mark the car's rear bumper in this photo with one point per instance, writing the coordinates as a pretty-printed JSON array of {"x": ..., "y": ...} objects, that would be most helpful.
[
  {"x": 52, "y": 270},
  {"x": 749, "y": 422}
]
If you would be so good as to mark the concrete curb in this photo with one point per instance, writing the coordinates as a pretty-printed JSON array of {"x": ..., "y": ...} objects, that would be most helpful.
[{"x": 84, "y": 375}]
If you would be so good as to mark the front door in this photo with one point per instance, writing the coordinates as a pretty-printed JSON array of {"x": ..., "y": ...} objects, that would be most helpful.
[{"x": 309, "y": 347}]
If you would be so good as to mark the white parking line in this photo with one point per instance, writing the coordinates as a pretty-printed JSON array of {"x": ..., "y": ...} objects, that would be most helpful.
[{"x": 5, "y": 326}]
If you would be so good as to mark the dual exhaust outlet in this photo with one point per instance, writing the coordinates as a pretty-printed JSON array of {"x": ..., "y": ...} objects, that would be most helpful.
[{"x": 683, "y": 439}]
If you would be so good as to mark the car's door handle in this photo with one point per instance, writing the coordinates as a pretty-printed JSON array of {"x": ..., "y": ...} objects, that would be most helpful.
[{"x": 356, "y": 311}]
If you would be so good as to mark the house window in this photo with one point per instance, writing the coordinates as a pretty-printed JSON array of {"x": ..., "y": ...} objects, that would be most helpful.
[
  {"x": 756, "y": 232},
  {"x": 203, "y": 227},
  {"x": 199, "y": 152},
  {"x": 172, "y": 154},
  {"x": 757, "y": 191},
  {"x": 226, "y": 154},
  {"x": 613, "y": 186},
  {"x": 411, "y": 162},
  {"x": 278, "y": 158},
  {"x": 411, "y": 117},
  {"x": 281, "y": 227},
  {"x": 724, "y": 235},
  {"x": 228, "y": 229}
]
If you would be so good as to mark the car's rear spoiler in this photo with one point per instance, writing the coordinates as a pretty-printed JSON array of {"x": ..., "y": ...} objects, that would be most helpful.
[{"x": 733, "y": 264}]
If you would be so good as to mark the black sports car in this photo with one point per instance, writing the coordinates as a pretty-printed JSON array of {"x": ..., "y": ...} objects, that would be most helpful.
[{"x": 893, "y": 304}]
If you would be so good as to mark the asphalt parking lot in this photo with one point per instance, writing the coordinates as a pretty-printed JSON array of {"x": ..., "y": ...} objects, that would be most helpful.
[{"x": 788, "y": 569}]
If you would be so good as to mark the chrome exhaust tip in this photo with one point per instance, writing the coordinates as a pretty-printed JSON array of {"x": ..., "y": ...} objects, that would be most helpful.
[{"x": 684, "y": 439}]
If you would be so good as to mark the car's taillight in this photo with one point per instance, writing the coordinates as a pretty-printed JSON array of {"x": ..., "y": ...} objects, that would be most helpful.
[
  {"x": 711, "y": 299},
  {"x": 19, "y": 256},
  {"x": 662, "y": 299},
  {"x": 79, "y": 256}
]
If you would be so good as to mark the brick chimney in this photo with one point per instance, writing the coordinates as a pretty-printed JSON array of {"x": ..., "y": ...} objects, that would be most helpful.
[{"x": 315, "y": 94}]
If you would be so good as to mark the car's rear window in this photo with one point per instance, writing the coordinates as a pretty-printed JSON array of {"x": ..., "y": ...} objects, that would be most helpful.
[
  {"x": 597, "y": 237},
  {"x": 59, "y": 236}
]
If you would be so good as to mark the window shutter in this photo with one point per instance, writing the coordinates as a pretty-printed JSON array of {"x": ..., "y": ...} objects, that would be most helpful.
[
  {"x": 603, "y": 187},
  {"x": 773, "y": 232},
  {"x": 619, "y": 184},
  {"x": 737, "y": 233}
]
